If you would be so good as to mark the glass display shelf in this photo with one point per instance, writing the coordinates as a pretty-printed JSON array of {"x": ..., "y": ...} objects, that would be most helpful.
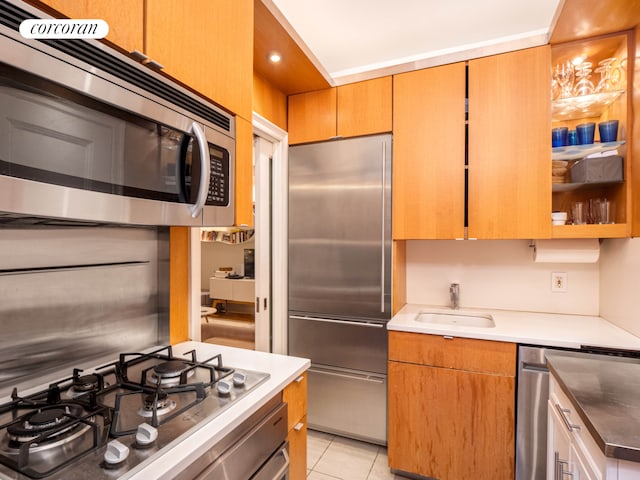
[
  {"x": 585, "y": 106},
  {"x": 568, "y": 187},
  {"x": 575, "y": 152}
]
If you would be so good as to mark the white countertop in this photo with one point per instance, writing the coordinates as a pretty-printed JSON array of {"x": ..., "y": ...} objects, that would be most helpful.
[
  {"x": 283, "y": 370},
  {"x": 545, "y": 329}
]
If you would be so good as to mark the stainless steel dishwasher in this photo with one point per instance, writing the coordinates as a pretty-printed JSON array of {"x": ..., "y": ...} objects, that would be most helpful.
[
  {"x": 531, "y": 416},
  {"x": 533, "y": 397}
]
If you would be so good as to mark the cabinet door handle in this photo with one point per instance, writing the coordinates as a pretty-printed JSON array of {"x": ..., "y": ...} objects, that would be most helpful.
[
  {"x": 558, "y": 470},
  {"x": 563, "y": 414},
  {"x": 138, "y": 55},
  {"x": 300, "y": 379},
  {"x": 562, "y": 463},
  {"x": 298, "y": 426},
  {"x": 154, "y": 64}
]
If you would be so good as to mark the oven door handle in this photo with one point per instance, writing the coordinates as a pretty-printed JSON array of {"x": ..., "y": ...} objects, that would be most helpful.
[
  {"x": 205, "y": 170},
  {"x": 281, "y": 474}
]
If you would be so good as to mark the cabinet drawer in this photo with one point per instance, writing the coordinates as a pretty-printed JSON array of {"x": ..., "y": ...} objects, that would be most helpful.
[
  {"x": 348, "y": 403},
  {"x": 469, "y": 354},
  {"x": 591, "y": 455},
  {"x": 295, "y": 395}
]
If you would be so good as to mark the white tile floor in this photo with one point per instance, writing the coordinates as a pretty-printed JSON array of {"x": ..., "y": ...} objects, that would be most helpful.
[{"x": 331, "y": 457}]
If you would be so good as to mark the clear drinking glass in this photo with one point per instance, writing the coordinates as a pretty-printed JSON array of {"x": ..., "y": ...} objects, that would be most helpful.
[
  {"x": 578, "y": 214},
  {"x": 604, "y": 214}
]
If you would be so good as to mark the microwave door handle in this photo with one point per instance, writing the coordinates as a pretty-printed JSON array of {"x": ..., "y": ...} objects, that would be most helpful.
[{"x": 205, "y": 169}]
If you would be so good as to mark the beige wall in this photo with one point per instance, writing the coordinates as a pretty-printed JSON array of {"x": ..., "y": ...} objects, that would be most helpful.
[
  {"x": 620, "y": 283},
  {"x": 501, "y": 274},
  {"x": 216, "y": 254},
  {"x": 497, "y": 274}
]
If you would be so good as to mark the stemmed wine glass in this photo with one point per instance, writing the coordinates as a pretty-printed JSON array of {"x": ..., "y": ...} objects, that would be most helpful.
[
  {"x": 563, "y": 75},
  {"x": 584, "y": 86},
  {"x": 609, "y": 75}
]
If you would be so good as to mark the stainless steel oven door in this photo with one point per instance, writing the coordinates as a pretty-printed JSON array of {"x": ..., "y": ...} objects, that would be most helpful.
[{"x": 254, "y": 450}]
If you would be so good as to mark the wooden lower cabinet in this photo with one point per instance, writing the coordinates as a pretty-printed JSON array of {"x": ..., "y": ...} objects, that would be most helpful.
[
  {"x": 295, "y": 394},
  {"x": 298, "y": 450},
  {"x": 452, "y": 423}
]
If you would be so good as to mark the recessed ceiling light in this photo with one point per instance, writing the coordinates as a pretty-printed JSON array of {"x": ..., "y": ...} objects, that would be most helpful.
[
  {"x": 577, "y": 61},
  {"x": 275, "y": 57}
]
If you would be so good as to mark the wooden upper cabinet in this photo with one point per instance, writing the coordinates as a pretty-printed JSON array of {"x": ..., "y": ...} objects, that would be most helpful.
[
  {"x": 365, "y": 107},
  {"x": 428, "y": 153},
  {"x": 206, "y": 44},
  {"x": 508, "y": 149},
  {"x": 360, "y": 108},
  {"x": 243, "y": 195},
  {"x": 509, "y": 145},
  {"x": 312, "y": 116},
  {"x": 125, "y": 18},
  {"x": 216, "y": 62}
]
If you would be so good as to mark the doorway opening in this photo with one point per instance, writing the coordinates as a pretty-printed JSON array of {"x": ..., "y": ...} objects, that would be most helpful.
[{"x": 248, "y": 312}]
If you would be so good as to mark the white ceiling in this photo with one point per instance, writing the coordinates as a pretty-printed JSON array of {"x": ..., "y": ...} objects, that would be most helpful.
[{"x": 351, "y": 40}]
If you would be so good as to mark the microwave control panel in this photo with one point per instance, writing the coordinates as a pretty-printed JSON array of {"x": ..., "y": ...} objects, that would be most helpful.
[{"x": 219, "y": 180}]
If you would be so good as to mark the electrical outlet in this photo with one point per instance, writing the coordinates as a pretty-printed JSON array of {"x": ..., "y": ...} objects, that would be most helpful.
[{"x": 559, "y": 281}]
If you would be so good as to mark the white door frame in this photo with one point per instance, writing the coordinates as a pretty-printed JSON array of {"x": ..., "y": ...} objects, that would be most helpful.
[
  {"x": 262, "y": 157},
  {"x": 279, "y": 235},
  {"x": 279, "y": 240}
]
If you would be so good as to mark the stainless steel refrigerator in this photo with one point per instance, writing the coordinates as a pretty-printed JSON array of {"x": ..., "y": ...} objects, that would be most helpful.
[{"x": 340, "y": 280}]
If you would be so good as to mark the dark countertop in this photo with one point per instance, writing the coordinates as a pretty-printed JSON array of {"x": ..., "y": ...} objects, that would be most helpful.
[{"x": 605, "y": 392}]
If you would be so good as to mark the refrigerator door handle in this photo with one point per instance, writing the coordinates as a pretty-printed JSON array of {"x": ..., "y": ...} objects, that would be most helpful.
[
  {"x": 350, "y": 376},
  {"x": 345, "y": 322},
  {"x": 382, "y": 243}
]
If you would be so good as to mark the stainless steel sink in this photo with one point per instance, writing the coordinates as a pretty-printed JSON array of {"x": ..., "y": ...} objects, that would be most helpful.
[{"x": 465, "y": 319}]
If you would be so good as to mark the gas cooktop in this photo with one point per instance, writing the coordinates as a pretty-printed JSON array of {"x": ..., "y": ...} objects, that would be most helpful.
[{"x": 105, "y": 423}]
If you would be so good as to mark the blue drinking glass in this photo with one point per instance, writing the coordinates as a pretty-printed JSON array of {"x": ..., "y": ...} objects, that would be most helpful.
[
  {"x": 608, "y": 131},
  {"x": 559, "y": 137},
  {"x": 586, "y": 132}
]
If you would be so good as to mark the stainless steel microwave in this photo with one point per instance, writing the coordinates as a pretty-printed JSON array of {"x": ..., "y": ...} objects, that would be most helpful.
[{"x": 89, "y": 134}]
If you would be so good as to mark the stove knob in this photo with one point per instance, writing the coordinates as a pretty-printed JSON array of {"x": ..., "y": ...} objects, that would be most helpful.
[
  {"x": 146, "y": 435},
  {"x": 239, "y": 378},
  {"x": 116, "y": 453},
  {"x": 224, "y": 387}
]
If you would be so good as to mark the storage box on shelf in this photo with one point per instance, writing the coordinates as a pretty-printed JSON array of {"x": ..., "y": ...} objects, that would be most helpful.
[{"x": 571, "y": 109}]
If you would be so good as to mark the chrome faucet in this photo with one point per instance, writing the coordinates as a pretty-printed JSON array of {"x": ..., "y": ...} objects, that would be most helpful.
[{"x": 454, "y": 293}]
